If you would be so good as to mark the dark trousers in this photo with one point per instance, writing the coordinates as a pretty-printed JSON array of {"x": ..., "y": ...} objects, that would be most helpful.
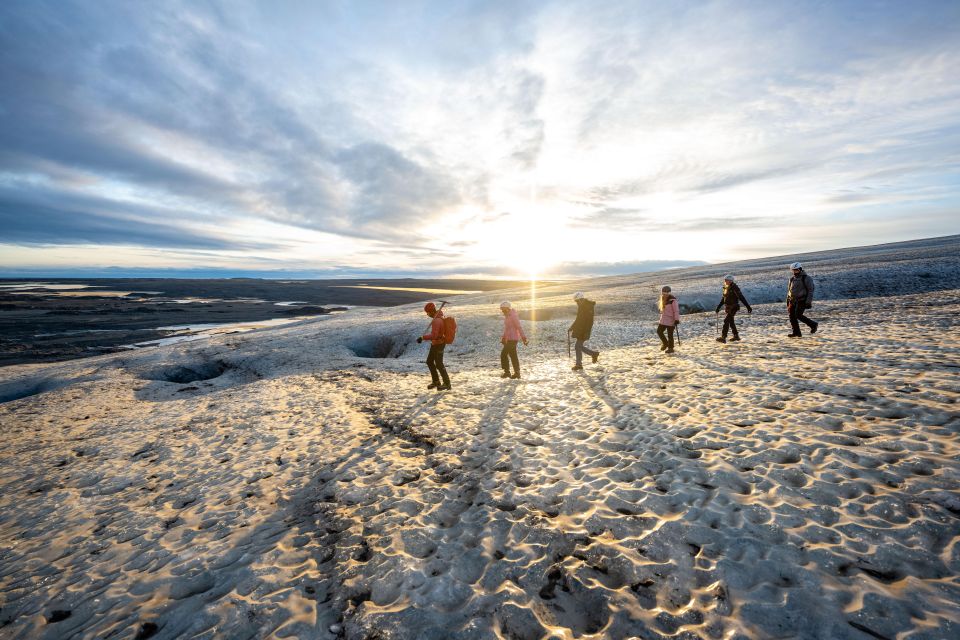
[
  {"x": 435, "y": 364},
  {"x": 581, "y": 349},
  {"x": 729, "y": 324},
  {"x": 796, "y": 313},
  {"x": 510, "y": 351},
  {"x": 668, "y": 339}
]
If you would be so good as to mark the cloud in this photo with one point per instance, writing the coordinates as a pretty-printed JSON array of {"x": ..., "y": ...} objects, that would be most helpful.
[
  {"x": 51, "y": 213},
  {"x": 590, "y": 269},
  {"x": 34, "y": 223},
  {"x": 145, "y": 108},
  {"x": 525, "y": 131},
  {"x": 392, "y": 190},
  {"x": 616, "y": 219},
  {"x": 388, "y": 125}
]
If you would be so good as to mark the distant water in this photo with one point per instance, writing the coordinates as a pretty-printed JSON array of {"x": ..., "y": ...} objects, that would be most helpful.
[{"x": 191, "y": 332}]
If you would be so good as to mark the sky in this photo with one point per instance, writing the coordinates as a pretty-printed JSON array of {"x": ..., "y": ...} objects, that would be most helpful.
[{"x": 497, "y": 139}]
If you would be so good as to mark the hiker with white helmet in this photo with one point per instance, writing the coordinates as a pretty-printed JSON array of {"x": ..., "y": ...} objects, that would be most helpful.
[
  {"x": 732, "y": 296},
  {"x": 512, "y": 333},
  {"x": 799, "y": 299},
  {"x": 581, "y": 328},
  {"x": 669, "y": 318}
]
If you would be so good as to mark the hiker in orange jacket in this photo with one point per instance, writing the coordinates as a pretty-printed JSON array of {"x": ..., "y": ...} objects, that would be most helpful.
[{"x": 437, "y": 344}]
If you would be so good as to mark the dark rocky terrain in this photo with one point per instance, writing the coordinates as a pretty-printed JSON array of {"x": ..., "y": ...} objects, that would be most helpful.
[{"x": 42, "y": 325}]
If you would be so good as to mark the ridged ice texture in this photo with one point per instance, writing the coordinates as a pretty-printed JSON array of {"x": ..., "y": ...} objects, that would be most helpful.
[{"x": 276, "y": 484}]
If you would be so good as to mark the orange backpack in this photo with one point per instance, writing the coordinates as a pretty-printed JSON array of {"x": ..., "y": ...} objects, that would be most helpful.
[{"x": 449, "y": 329}]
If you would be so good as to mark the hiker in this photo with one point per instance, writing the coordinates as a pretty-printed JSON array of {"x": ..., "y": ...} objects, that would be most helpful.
[
  {"x": 512, "y": 333},
  {"x": 732, "y": 296},
  {"x": 799, "y": 299},
  {"x": 437, "y": 344},
  {"x": 669, "y": 318},
  {"x": 581, "y": 328}
]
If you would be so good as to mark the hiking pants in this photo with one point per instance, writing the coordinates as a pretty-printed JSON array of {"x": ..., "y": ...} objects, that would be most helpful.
[
  {"x": 581, "y": 349},
  {"x": 435, "y": 364},
  {"x": 510, "y": 351},
  {"x": 796, "y": 313},
  {"x": 667, "y": 342},
  {"x": 729, "y": 324}
]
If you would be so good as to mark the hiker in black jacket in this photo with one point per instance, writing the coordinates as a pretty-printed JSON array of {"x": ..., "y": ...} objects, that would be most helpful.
[
  {"x": 799, "y": 299},
  {"x": 581, "y": 328},
  {"x": 732, "y": 296}
]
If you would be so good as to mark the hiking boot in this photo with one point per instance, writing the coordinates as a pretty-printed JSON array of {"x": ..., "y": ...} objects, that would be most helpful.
[
  {"x": 433, "y": 385},
  {"x": 669, "y": 351},
  {"x": 596, "y": 357},
  {"x": 444, "y": 387},
  {"x": 813, "y": 329},
  {"x": 735, "y": 339},
  {"x": 794, "y": 335},
  {"x": 505, "y": 374},
  {"x": 723, "y": 340},
  {"x": 515, "y": 376},
  {"x": 663, "y": 347},
  {"x": 577, "y": 367}
]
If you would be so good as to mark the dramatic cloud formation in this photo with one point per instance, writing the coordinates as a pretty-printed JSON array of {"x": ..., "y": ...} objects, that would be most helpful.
[{"x": 443, "y": 137}]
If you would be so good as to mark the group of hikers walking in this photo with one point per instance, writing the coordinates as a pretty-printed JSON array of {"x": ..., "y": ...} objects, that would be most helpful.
[{"x": 443, "y": 329}]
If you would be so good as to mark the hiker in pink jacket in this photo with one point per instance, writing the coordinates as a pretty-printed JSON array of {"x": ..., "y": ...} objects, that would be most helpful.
[
  {"x": 512, "y": 333},
  {"x": 669, "y": 318}
]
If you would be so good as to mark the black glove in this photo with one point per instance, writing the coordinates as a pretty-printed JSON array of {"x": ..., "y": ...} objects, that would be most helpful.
[
  {"x": 718, "y": 307},
  {"x": 419, "y": 340},
  {"x": 749, "y": 309}
]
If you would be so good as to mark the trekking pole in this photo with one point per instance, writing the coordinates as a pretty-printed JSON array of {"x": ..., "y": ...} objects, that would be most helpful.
[
  {"x": 568, "y": 345},
  {"x": 716, "y": 323},
  {"x": 677, "y": 327}
]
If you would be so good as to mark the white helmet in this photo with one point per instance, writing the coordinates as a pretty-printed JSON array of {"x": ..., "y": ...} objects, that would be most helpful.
[
  {"x": 578, "y": 295},
  {"x": 729, "y": 278},
  {"x": 796, "y": 265},
  {"x": 506, "y": 305}
]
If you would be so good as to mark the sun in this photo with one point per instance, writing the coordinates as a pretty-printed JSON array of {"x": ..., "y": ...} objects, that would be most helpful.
[
  {"x": 531, "y": 265},
  {"x": 533, "y": 258},
  {"x": 528, "y": 240},
  {"x": 535, "y": 247}
]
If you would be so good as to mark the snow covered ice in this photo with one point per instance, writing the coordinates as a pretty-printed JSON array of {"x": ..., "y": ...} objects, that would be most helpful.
[{"x": 278, "y": 484}]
